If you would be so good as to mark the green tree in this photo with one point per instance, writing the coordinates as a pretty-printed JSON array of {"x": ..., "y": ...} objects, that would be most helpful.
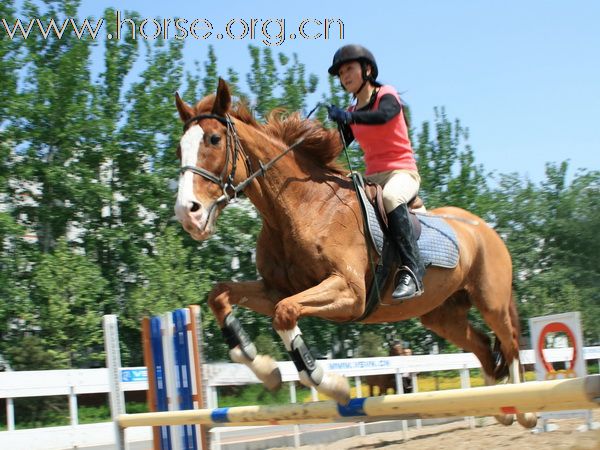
[
  {"x": 69, "y": 292},
  {"x": 54, "y": 128},
  {"x": 261, "y": 80},
  {"x": 371, "y": 344},
  {"x": 99, "y": 218},
  {"x": 209, "y": 82},
  {"x": 449, "y": 175},
  {"x": 270, "y": 90},
  {"x": 294, "y": 83},
  {"x": 548, "y": 229},
  {"x": 10, "y": 58},
  {"x": 171, "y": 276}
]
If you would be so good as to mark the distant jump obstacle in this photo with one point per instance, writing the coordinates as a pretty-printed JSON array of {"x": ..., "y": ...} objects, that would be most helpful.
[{"x": 537, "y": 396}]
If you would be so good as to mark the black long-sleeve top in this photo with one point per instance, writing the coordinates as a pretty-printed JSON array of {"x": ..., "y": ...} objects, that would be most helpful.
[{"x": 388, "y": 107}]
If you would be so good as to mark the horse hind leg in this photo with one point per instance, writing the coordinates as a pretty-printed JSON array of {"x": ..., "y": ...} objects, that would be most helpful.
[
  {"x": 503, "y": 419},
  {"x": 505, "y": 323},
  {"x": 501, "y": 366},
  {"x": 450, "y": 321},
  {"x": 527, "y": 420}
]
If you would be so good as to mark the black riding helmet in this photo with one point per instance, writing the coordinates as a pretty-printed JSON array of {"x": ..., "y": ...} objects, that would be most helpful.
[{"x": 354, "y": 52}]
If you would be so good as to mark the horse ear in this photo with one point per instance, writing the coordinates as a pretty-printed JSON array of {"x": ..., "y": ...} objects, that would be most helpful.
[
  {"x": 222, "y": 100},
  {"x": 185, "y": 110}
]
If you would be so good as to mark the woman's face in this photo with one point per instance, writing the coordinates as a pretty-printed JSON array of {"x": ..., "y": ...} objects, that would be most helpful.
[{"x": 350, "y": 74}]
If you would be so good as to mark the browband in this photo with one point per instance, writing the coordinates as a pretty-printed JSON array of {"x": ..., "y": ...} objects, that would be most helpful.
[{"x": 188, "y": 122}]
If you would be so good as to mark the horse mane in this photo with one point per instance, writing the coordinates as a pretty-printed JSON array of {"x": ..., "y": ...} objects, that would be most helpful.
[{"x": 321, "y": 145}]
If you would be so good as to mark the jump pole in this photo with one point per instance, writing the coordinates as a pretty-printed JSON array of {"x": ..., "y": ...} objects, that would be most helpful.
[{"x": 555, "y": 395}]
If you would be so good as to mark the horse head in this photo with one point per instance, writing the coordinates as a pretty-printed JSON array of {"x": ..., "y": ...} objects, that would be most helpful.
[{"x": 208, "y": 152}]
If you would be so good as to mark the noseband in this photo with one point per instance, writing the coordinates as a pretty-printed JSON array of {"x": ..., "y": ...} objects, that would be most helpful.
[{"x": 233, "y": 146}]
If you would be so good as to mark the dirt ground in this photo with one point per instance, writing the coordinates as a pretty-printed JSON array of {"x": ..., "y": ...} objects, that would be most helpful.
[{"x": 487, "y": 435}]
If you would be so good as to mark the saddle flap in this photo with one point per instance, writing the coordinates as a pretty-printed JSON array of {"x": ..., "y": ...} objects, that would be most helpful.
[
  {"x": 374, "y": 226},
  {"x": 375, "y": 195}
]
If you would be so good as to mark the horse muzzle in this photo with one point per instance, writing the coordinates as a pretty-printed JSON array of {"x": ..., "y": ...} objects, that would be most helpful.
[{"x": 198, "y": 221}]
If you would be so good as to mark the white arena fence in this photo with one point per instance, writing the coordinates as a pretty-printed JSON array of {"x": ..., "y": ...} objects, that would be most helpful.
[{"x": 71, "y": 383}]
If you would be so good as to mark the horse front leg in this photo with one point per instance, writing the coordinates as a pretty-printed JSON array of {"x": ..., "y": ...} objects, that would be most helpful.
[
  {"x": 252, "y": 295},
  {"x": 331, "y": 299}
]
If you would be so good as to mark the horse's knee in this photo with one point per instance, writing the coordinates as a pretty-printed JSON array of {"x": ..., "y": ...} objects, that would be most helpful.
[
  {"x": 218, "y": 301},
  {"x": 357, "y": 309},
  {"x": 286, "y": 315}
]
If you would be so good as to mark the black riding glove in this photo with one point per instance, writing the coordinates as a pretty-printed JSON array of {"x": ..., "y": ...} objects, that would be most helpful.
[{"x": 339, "y": 115}]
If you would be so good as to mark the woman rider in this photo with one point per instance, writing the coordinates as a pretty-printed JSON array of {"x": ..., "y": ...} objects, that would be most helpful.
[{"x": 376, "y": 121}]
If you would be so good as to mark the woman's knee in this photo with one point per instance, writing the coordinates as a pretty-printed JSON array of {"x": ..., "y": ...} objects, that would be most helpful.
[{"x": 393, "y": 198}]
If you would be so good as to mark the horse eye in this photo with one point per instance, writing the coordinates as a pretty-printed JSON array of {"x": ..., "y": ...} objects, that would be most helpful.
[{"x": 215, "y": 139}]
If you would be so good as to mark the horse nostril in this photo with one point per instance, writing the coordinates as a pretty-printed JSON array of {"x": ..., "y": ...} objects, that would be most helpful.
[{"x": 195, "y": 207}]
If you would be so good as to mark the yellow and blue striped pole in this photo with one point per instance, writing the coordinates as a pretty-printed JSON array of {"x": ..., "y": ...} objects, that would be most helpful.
[{"x": 556, "y": 395}]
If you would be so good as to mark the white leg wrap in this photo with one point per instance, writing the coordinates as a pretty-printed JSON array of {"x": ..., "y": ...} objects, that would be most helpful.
[
  {"x": 287, "y": 336},
  {"x": 329, "y": 384}
]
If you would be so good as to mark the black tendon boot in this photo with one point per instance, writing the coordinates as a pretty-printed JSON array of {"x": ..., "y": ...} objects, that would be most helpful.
[{"x": 412, "y": 269}]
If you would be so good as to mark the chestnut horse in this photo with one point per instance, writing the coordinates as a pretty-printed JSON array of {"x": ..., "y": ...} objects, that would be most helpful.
[{"x": 311, "y": 252}]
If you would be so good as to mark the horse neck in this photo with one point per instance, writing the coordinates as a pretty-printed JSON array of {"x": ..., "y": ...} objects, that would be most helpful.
[{"x": 271, "y": 193}]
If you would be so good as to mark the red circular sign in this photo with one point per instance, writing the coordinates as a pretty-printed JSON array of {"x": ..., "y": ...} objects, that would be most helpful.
[{"x": 556, "y": 327}]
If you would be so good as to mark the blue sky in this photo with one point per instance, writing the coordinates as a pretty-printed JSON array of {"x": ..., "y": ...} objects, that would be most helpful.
[{"x": 523, "y": 76}]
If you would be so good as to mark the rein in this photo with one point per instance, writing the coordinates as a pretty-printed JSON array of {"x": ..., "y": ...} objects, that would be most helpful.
[{"x": 233, "y": 147}]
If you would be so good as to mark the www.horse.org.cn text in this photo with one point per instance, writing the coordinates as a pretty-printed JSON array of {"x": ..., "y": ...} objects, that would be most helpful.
[{"x": 271, "y": 32}]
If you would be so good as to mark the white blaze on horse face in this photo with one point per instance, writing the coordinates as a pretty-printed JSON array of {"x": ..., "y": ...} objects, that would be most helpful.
[{"x": 189, "y": 145}]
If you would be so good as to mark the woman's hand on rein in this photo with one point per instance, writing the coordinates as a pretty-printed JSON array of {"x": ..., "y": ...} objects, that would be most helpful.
[{"x": 339, "y": 115}]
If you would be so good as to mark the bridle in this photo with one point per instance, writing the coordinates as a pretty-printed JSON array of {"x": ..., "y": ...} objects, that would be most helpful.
[{"x": 233, "y": 148}]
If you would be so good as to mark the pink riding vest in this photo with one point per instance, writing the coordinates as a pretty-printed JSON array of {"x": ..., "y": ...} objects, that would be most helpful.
[{"x": 386, "y": 146}]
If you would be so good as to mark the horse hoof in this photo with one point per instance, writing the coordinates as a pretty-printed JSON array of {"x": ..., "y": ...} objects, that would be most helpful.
[
  {"x": 263, "y": 366},
  {"x": 237, "y": 355},
  {"x": 267, "y": 371},
  {"x": 336, "y": 387},
  {"x": 506, "y": 419},
  {"x": 527, "y": 420}
]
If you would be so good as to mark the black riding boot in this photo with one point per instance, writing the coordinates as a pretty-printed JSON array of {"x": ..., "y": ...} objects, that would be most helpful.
[{"x": 410, "y": 281}]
